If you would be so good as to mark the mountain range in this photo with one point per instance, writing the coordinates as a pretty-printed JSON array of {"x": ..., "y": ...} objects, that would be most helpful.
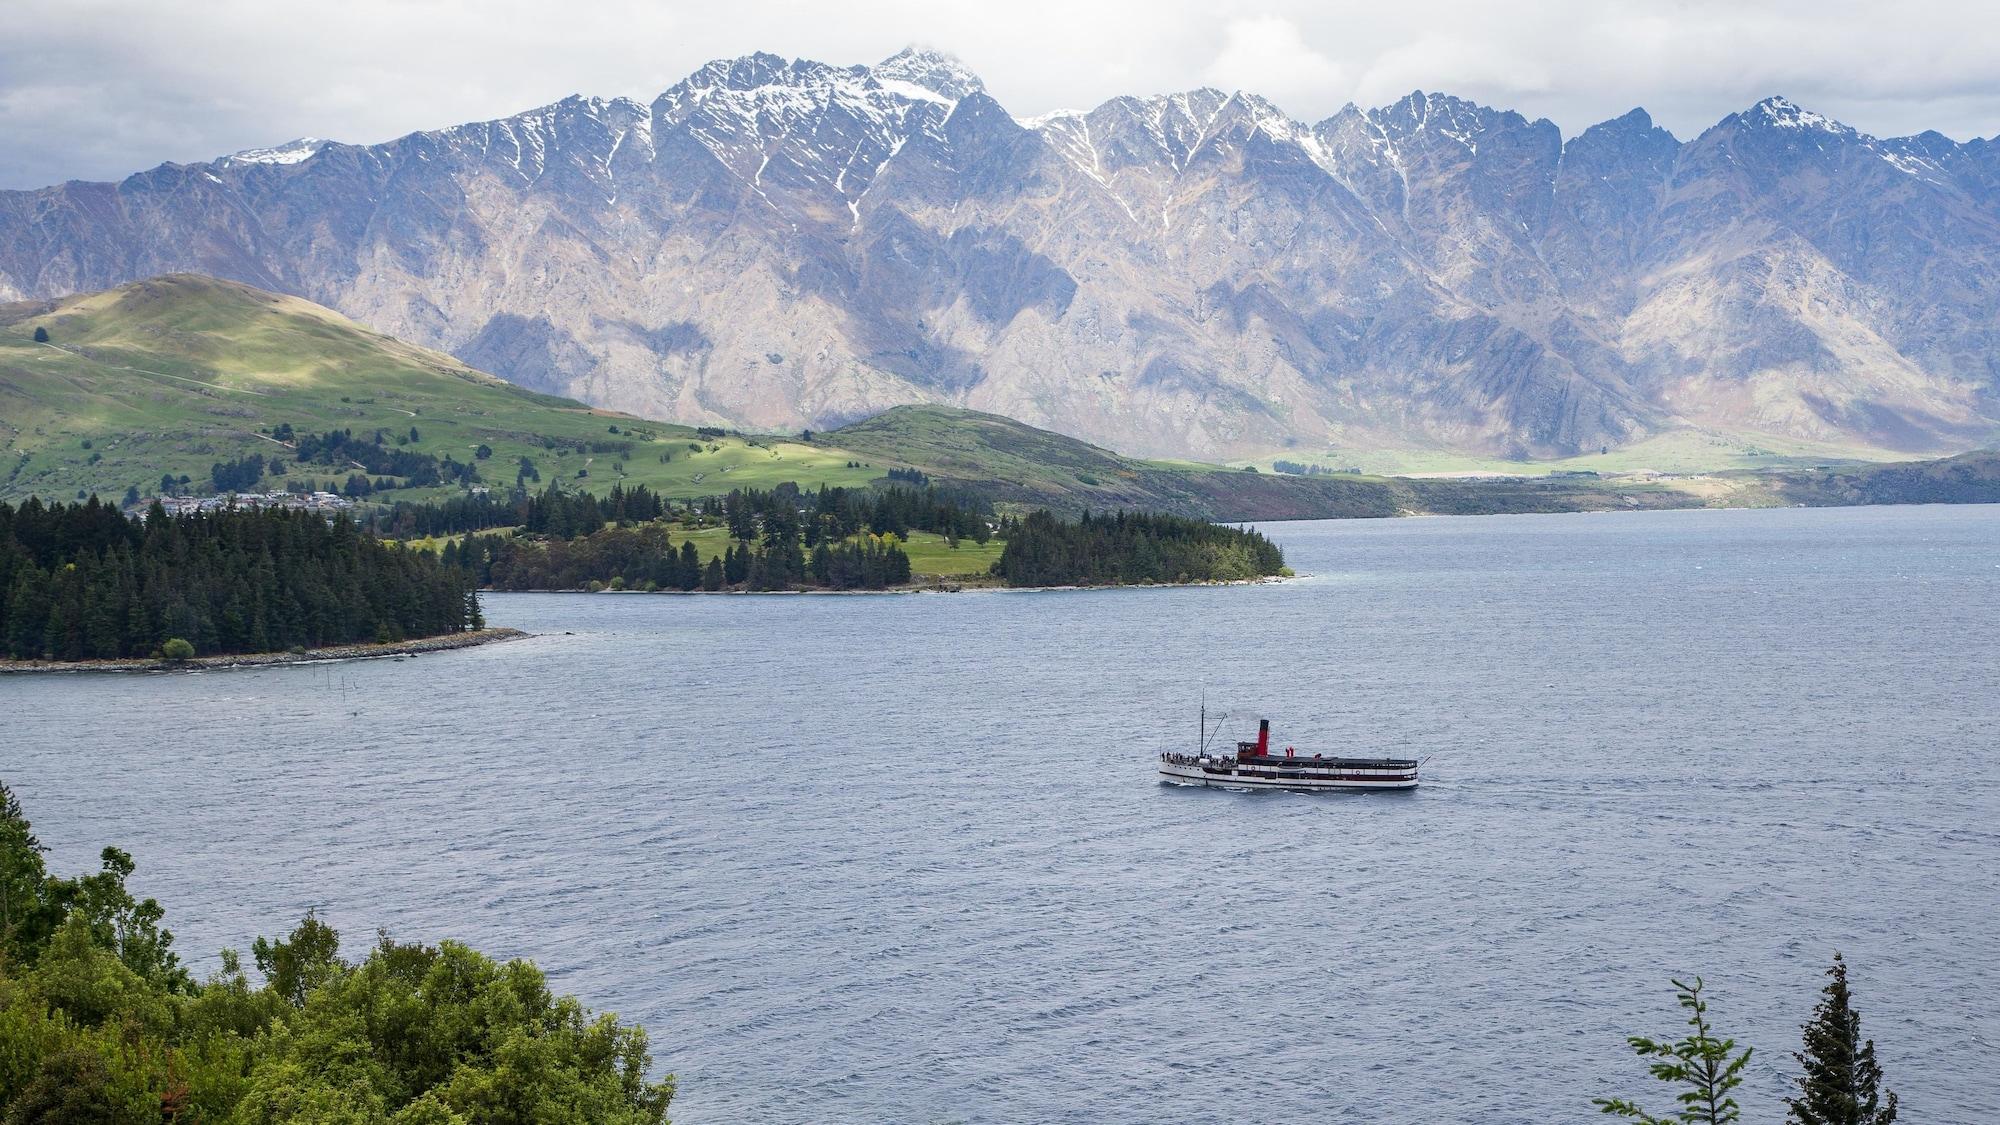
[{"x": 785, "y": 244}]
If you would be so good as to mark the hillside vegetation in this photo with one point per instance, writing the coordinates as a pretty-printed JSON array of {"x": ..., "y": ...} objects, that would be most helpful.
[
  {"x": 173, "y": 375},
  {"x": 1015, "y": 463}
]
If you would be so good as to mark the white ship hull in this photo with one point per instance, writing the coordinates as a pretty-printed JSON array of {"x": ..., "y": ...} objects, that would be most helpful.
[{"x": 1296, "y": 775}]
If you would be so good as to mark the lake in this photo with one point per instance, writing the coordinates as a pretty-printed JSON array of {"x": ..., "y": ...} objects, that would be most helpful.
[{"x": 905, "y": 858}]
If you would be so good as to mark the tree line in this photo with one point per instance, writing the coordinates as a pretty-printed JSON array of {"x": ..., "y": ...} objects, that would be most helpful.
[
  {"x": 820, "y": 515},
  {"x": 101, "y": 1024},
  {"x": 1131, "y": 547},
  {"x": 645, "y": 558},
  {"x": 782, "y": 538},
  {"x": 83, "y": 581},
  {"x": 831, "y": 515},
  {"x": 377, "y": 458},
  {"x": 372, "y": 463},
  {"x": 553, "y": 511}
]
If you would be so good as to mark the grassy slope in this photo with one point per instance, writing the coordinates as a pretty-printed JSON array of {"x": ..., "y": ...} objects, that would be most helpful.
[
  {"x": 174, "y": 374},
  {"x": 1969, "y": 478},
  {"x": 1679, "y": 452},
  {"x": 1016, "y": 463},
  {"x": 930, "y": 555}
]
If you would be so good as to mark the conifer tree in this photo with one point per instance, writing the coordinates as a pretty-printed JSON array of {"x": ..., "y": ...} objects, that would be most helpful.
[
  {"x": 23, "y": 916},
  {"x": 1842, "y": 1082},
  {"x": 688, "y": 574},
  {"x": 1705, "y": 1067}
]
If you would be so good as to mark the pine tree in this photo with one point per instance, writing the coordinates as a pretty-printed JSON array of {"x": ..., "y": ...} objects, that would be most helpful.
[
  {"x": 688, "y": 574},
  {"x": 1706, "y": 1066},
  {"x": 23, "y": 920},
  {"x": 1841, "y": 1084}
]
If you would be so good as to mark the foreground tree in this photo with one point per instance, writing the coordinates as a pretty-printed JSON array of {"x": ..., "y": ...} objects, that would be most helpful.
[
  {"x": 25, "y": 921},
  {"x": 99, "y": 1023},
  {"x": 1842, "y": 1083},
  {"x": 1705, "y": 1067}
]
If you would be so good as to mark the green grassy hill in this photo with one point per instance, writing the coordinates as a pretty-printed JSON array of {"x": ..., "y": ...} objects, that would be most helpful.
[
  {"x": 1019, "y": 464},
  {"x": 176, "y": 373}
]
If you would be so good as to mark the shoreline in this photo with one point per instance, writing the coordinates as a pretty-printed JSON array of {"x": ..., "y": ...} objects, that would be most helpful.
[
  {"x": 927, "y": 588},
  {"x": 445, "y": 643}
]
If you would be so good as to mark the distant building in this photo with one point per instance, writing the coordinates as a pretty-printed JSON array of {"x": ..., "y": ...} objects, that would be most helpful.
[{"x": 327, "y": 503}]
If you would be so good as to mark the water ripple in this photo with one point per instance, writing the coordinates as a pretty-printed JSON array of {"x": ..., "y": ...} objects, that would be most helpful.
[{"x": 905, "y": 859}]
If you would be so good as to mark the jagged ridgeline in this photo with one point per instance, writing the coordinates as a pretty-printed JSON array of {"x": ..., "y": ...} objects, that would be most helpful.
[
  {"x": 84, "y": 582},
  {"x": 1191, "y": 274}
]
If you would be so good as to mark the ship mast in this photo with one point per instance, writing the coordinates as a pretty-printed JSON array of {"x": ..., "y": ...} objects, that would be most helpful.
[{"x": 1206, "y": 734}]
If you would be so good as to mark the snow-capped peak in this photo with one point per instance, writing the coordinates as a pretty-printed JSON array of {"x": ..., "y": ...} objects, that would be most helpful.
[
  {"x": 291, "y": 152},
  {"x": 934, "y": 71},
  {"x": 1442, "y": 114},
  {"x": 1785, "y": 114},
  {"x": 770, "y": 81}
]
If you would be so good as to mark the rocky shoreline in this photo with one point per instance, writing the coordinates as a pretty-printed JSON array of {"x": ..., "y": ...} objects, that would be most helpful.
[{"x": 260, "y": 659}]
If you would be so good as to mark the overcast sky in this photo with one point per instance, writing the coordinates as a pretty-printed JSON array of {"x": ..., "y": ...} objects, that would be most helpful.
[{"x": 95, "y": 89}]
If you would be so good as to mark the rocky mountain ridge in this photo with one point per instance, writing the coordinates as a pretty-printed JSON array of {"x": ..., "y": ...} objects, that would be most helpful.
[{"x": 786, "y": 244}]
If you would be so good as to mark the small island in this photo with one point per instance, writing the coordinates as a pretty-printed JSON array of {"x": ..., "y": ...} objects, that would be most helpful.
[{"x": 83, "y": 582}]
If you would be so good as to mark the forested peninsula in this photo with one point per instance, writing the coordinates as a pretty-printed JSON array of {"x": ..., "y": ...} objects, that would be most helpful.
[
  {"x": 85, "y": 582},
  {"x": 1132, "y": 547},
  {"x": 100, "y": 1022},
  {"x": 830, "y": 539}
]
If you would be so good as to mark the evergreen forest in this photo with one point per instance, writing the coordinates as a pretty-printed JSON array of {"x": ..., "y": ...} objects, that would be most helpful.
[
  {"x": 1129, "y": 547},
  {"x": 83, "y": 581}
]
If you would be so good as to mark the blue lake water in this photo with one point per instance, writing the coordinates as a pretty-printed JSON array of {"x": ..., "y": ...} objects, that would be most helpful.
[{"x": 906, "y": 858}]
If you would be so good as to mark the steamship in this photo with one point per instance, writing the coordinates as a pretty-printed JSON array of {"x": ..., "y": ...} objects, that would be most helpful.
[{"x": 1255, "y": 766}]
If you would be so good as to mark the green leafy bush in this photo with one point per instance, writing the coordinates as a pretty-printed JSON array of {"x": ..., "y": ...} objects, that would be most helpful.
[{"x": 100, "y": 1023}]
